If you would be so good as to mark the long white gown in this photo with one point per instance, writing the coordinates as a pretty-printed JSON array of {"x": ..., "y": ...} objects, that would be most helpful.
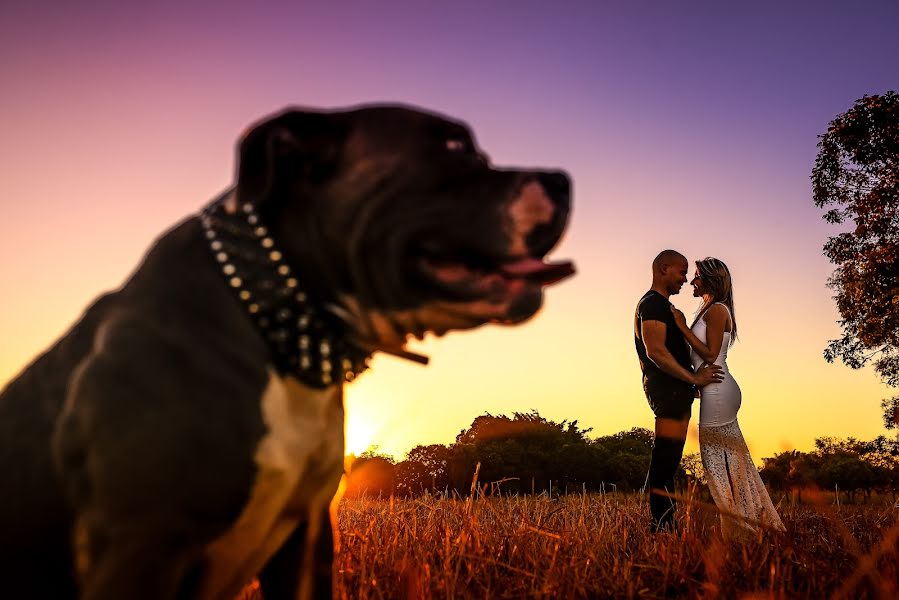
[{"x": 733, "y": 479}]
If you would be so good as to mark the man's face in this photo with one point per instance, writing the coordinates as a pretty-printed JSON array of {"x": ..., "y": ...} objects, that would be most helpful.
[{"x": 675, "y": 275}]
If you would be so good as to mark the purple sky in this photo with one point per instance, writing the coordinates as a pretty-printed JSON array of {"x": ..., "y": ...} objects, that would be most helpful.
[{"x": 684, "y": 124}]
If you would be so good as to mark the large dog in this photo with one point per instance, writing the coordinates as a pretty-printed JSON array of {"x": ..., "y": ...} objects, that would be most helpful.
[{"x": 187, "y": 434}]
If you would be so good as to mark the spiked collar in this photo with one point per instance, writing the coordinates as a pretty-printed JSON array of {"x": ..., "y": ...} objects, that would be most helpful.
[{"x": 305, "y": 340}]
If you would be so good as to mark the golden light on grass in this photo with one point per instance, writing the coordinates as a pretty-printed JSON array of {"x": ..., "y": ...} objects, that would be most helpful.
[{"x": 598, "y": 546}]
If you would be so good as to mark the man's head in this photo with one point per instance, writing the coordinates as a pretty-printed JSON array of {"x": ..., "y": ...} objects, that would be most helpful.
[{"x": 669, "y": 272}]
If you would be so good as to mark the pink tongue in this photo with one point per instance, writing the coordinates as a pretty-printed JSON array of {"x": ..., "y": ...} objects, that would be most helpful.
[
  {"x": 535, "y": 269},
  {"x": 524, "y": 267}
]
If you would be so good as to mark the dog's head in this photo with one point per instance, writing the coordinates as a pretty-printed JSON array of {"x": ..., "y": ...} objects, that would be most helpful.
[{"x": 395, "y": 216}]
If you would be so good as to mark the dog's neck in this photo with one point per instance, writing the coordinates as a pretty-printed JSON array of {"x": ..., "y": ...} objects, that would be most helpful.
[
  {"x": 306, "y": 340},
  {"x": 373, "y": 330}
]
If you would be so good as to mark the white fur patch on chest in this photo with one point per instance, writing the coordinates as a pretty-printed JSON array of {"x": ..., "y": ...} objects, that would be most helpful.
[{"x": 299, "y": 461}]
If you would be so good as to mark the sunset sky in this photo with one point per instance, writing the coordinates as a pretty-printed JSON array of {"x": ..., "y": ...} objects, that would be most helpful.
[{"x": 683, "y": 124}]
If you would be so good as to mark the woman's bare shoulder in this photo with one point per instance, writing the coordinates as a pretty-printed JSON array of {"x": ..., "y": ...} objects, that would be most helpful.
[{"x": 717, "y": 311}]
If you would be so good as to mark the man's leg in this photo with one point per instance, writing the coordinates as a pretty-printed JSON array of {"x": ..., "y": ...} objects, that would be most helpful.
[{"x": 667, "y": 450}]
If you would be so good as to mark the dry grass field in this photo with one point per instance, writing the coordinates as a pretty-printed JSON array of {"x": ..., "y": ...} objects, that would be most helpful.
[{"x": 597, "y": 546}]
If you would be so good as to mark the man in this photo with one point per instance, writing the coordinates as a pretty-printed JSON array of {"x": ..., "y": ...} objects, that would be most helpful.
[{"x": 668, "y": 381}]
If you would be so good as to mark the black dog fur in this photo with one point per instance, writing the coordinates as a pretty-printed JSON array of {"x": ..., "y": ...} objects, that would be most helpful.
[{"x": 133, "y": 443}]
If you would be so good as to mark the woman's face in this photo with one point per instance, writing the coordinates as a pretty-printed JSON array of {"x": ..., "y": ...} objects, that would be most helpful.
[{"x": 698, "y": 286}]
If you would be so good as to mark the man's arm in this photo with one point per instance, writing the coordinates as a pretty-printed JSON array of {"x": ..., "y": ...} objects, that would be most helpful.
[{"x": 653, "y": 334}]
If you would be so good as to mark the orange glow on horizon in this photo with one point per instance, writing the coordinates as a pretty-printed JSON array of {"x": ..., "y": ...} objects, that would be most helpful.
[{"x": 360, "y": 435}]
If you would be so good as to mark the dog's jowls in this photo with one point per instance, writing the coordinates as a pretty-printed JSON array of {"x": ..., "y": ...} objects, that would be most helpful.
[{"x": 186, "y": 435}]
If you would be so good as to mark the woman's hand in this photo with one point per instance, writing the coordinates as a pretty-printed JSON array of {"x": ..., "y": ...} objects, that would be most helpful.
[{"x": 679, "y": 319}]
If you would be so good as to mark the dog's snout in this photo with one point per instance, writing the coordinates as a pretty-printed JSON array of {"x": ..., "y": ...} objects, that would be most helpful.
[
  {"x": 557, "y": 186},
  {"x": 556, "y": 183}
]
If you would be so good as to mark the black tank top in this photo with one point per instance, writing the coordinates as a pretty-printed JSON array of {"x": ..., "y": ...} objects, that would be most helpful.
[{"x": 653, "y": 306}]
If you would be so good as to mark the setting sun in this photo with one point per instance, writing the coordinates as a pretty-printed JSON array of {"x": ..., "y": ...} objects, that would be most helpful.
[{"x": 360, "y": 434}]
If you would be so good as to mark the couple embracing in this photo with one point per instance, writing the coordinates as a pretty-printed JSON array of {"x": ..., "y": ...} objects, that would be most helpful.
[{"x": 680, "y": 362}]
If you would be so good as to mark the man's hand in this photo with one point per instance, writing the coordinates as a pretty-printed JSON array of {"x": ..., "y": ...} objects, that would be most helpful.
[
  {"x": 708, "y": 374},
  {"x": 679, "y": 319},
  {"x": 653, "y": 333}
]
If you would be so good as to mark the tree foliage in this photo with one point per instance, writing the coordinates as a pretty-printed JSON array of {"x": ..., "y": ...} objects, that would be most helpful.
[
  {"x": 371, "y": 474},
  {"x": 528, "y": 453},
  {"x": 522, "y": 453},
  {"x": 890, "y": 408},
  {"x": 426, "y": 468},
  {"x": 846, "y": 465},
  {"x": 856, "y": 176}
]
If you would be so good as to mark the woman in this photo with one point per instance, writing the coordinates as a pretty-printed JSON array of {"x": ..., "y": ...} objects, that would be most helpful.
[{"x": 733, "y": 479}]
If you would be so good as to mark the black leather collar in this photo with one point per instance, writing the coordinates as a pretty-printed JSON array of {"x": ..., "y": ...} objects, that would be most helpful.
[{"x": 305, "y": 340}]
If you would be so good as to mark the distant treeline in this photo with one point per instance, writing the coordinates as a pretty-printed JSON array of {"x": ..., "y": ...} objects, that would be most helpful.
[{"x": 527, "y": 453}]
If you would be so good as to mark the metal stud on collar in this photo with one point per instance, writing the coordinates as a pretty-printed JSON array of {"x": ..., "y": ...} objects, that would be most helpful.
[{"x": 303, "y": 339}]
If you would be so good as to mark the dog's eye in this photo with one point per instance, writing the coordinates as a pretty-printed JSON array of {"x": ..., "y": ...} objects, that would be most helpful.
[{"x": 456, "y": 145}]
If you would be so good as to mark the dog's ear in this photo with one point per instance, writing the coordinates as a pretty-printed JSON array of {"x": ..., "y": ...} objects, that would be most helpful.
[{"x": 292, "y": 147}]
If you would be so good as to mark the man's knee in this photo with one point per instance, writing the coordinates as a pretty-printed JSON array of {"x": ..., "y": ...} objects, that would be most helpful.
[{"x": 675, "y": 429}]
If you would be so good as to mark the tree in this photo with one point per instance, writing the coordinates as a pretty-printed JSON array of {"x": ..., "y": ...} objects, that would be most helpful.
[
  {"x": 857, "y": 171},
  {"x": 790, "y": 471},
  {"x": 855, "y": 464},
  {"x": 846, "y": 472},
  {"x": 883, "y": 454},
  {"x": 524, "y": 452},
  {"x": 623, "y": 458},
  {"x": 370, "y": 474},
  {"x": 890, "y": 408},
  {"x": 488, "y": 427},
  {"x": 425, "y": 468}
]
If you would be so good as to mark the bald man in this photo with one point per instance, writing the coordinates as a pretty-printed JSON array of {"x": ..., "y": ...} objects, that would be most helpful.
[{"x": 668, "y": 381}]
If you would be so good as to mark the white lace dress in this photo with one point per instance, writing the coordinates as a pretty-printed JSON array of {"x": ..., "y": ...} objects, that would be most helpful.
[{"x": 733, "y": 479}]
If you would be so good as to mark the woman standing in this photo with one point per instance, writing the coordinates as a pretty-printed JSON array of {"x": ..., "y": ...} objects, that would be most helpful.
[{"x": 733, "y": 479}]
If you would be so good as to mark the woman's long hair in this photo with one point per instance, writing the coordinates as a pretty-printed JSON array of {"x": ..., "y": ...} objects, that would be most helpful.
[{"x": 718, "y": 288}]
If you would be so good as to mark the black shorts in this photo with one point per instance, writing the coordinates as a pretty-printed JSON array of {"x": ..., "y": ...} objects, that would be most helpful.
[{"x": 669, "y": 401}]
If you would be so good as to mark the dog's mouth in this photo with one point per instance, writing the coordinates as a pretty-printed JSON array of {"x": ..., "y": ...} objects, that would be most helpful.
[
  {"x": 501, "y": 278},
  {"x": 497, "y": 282}
]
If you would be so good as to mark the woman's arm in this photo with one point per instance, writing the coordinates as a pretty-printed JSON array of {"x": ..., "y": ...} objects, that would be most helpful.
[
  {"x": 716, "y": 322},
  {"x": 653, "y": 335}
]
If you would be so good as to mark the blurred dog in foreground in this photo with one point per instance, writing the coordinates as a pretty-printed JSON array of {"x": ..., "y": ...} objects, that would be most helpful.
[{"x": 186, "y": 435}]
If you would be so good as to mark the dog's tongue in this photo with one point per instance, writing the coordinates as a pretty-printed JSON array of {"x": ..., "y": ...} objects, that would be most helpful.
[{"x": 537, "y": 270}]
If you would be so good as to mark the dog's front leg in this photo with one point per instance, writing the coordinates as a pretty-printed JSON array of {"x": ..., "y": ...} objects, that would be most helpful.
[
  {"x": 302, "y": 567},
  {"x": 154, "y": 464},
  {"x": 152, "y": 564}
]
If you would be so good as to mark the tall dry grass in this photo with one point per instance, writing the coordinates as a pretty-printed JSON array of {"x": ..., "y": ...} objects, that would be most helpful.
[{"x": 598, "y": 546}]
